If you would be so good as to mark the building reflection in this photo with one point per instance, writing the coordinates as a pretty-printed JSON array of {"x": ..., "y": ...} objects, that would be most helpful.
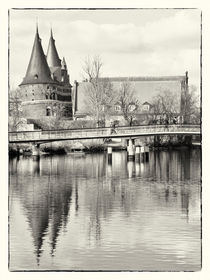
[
  {"x": 54, "y": 189},
  {"x": 46, "y": 202}
]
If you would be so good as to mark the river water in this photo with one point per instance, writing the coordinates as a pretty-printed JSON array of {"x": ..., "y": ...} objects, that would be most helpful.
[{"x": 77, "y": 212}]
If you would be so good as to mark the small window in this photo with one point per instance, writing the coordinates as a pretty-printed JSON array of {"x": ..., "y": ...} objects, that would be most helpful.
[
  {"x": 32, "y": 99},
  {"x": 117, "y": 108},
  {"x": 36, "y": 77},
  {"x": 146, "y": 107}
]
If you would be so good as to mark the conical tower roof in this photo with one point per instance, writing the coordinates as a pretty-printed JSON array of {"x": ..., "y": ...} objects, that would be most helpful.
[
  {"x": 38, "y": 71},
  {"x": 53, "y": 59},
  {"x": 63, "y": 64}
]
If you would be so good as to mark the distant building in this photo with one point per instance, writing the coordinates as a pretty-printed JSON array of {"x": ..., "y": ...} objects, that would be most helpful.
[
  {"x": 45, "y": 89},
  {"x": 145, "y": 89}
]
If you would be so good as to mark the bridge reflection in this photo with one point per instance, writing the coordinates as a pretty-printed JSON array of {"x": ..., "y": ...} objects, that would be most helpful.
[{"x": 58, "y": 191}]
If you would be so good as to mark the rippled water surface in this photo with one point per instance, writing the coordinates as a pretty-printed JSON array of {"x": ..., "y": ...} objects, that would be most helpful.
[{"x": 79, "y": 213}]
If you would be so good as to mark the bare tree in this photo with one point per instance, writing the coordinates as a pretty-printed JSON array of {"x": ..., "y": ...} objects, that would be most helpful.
[
  {"x": 100, "y": 94},
  {"x": 58, "y": 111},
  {"x": 92, "y": 68},
  {"x": 127, "y": 101},
  {"x": 165, "y": 105},
  {"x": 15, "y": 110},
  {"x": 191, "y": 106}
]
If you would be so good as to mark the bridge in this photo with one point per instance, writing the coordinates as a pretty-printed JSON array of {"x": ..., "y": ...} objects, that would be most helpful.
[{"x": 44, "y": 136}]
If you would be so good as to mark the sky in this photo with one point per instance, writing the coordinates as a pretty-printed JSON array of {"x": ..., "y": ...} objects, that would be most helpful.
[{"x": 140, "y": 42}]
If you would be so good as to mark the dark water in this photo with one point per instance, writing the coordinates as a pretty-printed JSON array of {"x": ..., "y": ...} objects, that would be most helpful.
[{"x": 79, "y": 213}]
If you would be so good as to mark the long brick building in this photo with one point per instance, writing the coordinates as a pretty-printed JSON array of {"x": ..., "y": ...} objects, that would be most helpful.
[{"x": 145, "y": 89}]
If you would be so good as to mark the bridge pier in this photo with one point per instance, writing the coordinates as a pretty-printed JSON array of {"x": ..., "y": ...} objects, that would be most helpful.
[
  {"x": 109, "y": 151},
  {"x": 36, "y": 151},
  {"x": 142, "y": 154},
  {"x": 130, "y": 150},
  {"x": 146, "y": 153},
  {"x": 137, "y": 154}
]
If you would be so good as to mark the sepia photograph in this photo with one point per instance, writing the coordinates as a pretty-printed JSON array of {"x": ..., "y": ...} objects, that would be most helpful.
[{"x": 104, "y": 139}]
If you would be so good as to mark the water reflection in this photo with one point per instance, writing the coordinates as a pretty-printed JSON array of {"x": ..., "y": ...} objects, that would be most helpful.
[{"x": 112, "y": 208}]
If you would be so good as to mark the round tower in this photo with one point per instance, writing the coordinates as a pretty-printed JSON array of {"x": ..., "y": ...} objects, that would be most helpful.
[{"x": 43, "y": 92}]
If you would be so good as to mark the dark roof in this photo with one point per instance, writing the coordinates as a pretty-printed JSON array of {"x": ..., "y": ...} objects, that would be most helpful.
[
  {"x": 145, "y": 78},
  {"x": 146, "y": 103},
  {"x": 38, "y": 71},
  {"x": 53, "y": 59}
]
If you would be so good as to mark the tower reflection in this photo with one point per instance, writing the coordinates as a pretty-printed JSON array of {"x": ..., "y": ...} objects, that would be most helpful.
[{"x": 64, "y": 194}]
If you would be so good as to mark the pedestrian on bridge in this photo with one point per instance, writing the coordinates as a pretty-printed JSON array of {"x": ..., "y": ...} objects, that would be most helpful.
[
  {"x": 175, "y": 120},
  {"x": 166, "y": 123}
]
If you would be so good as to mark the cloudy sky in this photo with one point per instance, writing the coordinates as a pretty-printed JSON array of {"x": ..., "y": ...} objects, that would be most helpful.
[{"x": 130, "y": 42}]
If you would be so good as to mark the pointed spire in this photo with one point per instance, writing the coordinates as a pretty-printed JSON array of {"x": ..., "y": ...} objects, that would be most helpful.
[
  {"x": 38, "y": 71},
  {"x": 37, "y": 29},
  {"x": 51, "y": 33},
  {"x": 63, "y": 64},
  {"x": 53, "y": 59}
]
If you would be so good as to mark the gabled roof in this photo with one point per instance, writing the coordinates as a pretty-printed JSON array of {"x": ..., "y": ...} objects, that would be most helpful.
[
  {"x": 38, "y": 71},
  {"x": 53, "y": 59}
]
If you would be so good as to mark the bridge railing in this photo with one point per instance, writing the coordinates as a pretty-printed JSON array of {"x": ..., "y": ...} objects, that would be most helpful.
[
  {"x": 23, "y": 135},
  {"x": 121, "y": 129},
  {"x": 123, "y": 126},
  {"x": 87, "y": 133}
]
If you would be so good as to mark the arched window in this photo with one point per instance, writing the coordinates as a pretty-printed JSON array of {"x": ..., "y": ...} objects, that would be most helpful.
[
  {"x": 46, "y": 95},
  {"x": 48, "y": 111}
]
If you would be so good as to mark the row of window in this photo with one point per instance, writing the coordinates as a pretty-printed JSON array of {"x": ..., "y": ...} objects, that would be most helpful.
[
  {"x": 59, "y": 89},
  {"x": 58, "y": 111},
  {"x": 51, "y": 96},
  {"x": 55, "y": 96},
  {"x": 132, "y": 107}
]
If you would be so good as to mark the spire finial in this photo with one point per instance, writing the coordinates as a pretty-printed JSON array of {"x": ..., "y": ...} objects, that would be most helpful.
[
  {"x": 37, "y": 30},
  {"x": 51, "y": 33}
]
